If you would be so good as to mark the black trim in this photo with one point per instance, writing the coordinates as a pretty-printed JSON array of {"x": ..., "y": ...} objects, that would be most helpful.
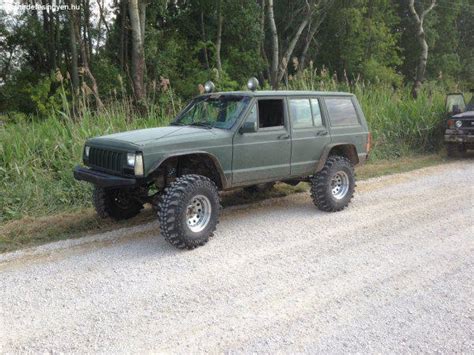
[{"x": 102, "y": 179}]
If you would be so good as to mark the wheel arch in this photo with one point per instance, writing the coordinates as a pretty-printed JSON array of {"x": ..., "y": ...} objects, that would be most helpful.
[
  {"x": 218, "y": 177},
  {"x": 347, "y": 150}
]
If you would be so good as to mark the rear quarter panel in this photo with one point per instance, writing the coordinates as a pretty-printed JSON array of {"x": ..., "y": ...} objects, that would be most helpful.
[{"x": 354, "y": 134}]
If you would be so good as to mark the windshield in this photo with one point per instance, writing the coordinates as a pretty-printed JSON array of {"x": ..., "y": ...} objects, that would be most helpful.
[
  {"x": 455, "y": 102},
  {"x": 213, "y": 111}
]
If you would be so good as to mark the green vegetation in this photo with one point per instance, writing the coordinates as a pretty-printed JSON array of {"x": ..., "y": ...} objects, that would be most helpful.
[
  {"x": 37, "y": 156},
  {"x": 68, "y": 75}
]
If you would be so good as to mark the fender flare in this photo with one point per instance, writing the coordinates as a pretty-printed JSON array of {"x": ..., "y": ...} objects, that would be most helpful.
[
  {"x": 217, "y": 164},
  {"x": 327, "y": 149}
]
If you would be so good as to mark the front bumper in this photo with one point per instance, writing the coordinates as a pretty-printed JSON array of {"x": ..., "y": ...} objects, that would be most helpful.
[
  {"x": 459, "y": 138},
  {"x": 102, "y": 179}
]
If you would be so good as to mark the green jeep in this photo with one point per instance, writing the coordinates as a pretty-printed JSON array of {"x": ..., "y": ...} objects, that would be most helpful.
[{"x": 223, "y": 141}]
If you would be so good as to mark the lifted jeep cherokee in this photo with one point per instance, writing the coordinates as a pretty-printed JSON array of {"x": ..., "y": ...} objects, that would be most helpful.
[{"x": 228, "y": 140}]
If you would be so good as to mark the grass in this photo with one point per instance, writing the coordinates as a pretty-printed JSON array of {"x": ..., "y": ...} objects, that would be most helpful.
[{"x": 31, "y": 231}]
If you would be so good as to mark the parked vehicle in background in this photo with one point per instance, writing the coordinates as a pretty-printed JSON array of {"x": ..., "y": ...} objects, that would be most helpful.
[
  {"x": 459, "y": 132},
  {"x": 223, "y": 141}
]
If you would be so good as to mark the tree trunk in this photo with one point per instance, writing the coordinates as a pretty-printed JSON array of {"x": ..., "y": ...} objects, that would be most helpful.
[
  {"x": 85, "y": 63},
  {"x": 204, "y": 39},
  {"x": 138, "y": 56},
  {"x": 74, "y": 61},
  {"x": 123, "y": 35},
  {"x": 421, "y": 37},
  {"x": 287, "y": 56},
  {"x": 220, "y": 20},
  {"x": 313, "y": 30},
  {"x": 275, "y": 50}
]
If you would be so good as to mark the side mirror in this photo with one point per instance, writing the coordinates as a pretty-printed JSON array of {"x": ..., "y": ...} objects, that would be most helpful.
[{"x": 248, "y": 127}]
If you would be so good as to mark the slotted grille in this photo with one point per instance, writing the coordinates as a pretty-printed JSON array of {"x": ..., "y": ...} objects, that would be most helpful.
[{"x": 106, "y": 159}]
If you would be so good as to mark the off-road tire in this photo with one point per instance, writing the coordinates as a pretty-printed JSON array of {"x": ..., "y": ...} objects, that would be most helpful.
[
  {"x": 173, "y": 209},
  {"x": 259, "y": 188},
  {"x": 107, "y": 204},
  {"x": 455, "y": 150},
  {"x": 321, "y": 189}
]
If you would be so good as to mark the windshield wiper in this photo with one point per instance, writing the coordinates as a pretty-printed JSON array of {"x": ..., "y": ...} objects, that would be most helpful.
[
  {"x": 201, "y": 124},
  {"x": 177, "y": 124}
]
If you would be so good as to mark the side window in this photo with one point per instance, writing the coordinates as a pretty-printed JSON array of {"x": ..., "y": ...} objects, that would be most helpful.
[
  {"x": 318, "y": 122},
  {"x": 300, "y": 111},
  {"x": 270, "y": 113},
  {"x": 341, "y": 111}
]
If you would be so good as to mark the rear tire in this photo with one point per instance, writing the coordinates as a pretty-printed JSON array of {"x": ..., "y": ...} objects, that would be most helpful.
[
  {"x": 189, "y": 211},
  {"x": 117, "y": 204},
  {"x": 332, "y": 188}
]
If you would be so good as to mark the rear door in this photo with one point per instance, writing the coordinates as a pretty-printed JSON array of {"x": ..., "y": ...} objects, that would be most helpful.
[
  {"x": 263, "y": 155},
  {"x": 309, "y": 134}
]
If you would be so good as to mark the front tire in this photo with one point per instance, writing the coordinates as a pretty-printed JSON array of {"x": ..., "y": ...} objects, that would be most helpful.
[
  {"x": 117, "y": 204},
  {"x": 333, "y": 187},
  {"x": 189, "y": 211},
  {"x": 455, "y": 150}
]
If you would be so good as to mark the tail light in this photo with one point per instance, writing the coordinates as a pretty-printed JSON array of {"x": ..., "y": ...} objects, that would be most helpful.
[{"x": 369, "y": 142}]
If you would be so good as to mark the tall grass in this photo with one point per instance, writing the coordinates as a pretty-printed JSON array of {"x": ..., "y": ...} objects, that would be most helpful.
[{"x": 37, "y": 156}]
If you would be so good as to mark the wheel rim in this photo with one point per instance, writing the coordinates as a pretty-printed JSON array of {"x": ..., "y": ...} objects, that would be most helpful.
[
  {"x": 122, "y": 200},
  {"x": 339, "y": 185},
  {"x": 198, "y": 213}
]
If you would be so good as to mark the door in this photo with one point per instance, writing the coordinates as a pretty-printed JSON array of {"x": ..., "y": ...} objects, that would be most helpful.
[
  {"x": 263, "y": 155},
  {"x": 309, "y": 135}
]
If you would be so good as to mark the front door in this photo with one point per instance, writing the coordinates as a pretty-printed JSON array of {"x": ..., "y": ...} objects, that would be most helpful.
[
  {"x": 309, "y": 135},
  {"x": 263, "y": 155}
]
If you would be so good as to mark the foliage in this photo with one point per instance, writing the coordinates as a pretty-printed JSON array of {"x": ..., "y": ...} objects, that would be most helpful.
[{"x": 37, "y": 156}]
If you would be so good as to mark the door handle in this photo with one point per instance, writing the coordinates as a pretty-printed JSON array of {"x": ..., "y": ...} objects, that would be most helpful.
[
  {"x": 284, "y": 136},
  {"x": 321, "y": 133}
]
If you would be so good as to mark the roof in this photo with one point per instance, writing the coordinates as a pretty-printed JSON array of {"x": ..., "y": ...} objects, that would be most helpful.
[{"x": 264, "y": 93}]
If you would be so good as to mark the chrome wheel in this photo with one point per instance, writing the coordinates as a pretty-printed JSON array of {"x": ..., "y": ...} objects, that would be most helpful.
[
  {"x": 198, "y": 213},
  {"x": 339, "y": 185}
]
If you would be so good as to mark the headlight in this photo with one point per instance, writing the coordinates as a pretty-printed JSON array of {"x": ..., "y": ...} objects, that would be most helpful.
[
  {"x": 139, "y": 164},
  {"x": 458, "y": 124},
  {"x": 131, "y": 159},
  {"x": 87, "y": 150}
]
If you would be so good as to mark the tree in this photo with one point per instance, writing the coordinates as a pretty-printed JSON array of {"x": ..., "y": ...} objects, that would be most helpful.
[
  {"x": 421, "y": 37},
  {"x": 137, "y": 23}
]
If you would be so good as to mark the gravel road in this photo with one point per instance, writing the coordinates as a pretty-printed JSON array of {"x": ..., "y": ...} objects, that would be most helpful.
[{"x": 392, "y": 273}]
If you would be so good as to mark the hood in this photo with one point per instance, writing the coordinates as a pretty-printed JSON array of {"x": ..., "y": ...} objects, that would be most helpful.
[
  {"x": 467, "y": 114},
  {"x": 150, "y": 136}
]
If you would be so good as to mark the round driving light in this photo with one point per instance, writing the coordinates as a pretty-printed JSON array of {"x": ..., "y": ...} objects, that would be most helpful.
[
  {"x": 252, "y": 84},
  {"x": 458, "y": 124},
  {"x": 209, "y": 86},
  {"x": 87, "y": 150},
  {"x": 131, "y": 159}
]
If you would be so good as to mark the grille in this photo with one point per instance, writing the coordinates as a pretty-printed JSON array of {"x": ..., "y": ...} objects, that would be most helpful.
[{"x": 106, "y": 159}]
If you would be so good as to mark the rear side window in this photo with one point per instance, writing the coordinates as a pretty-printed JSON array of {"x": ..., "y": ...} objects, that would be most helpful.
[
  {"x": 341, "y": 111},
  {"x": 300, "y": 113}
]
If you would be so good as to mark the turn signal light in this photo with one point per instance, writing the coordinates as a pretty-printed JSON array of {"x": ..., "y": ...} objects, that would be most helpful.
[
  {"x": 369, "y": 142},
  {"x": 450, "y": 123}
]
